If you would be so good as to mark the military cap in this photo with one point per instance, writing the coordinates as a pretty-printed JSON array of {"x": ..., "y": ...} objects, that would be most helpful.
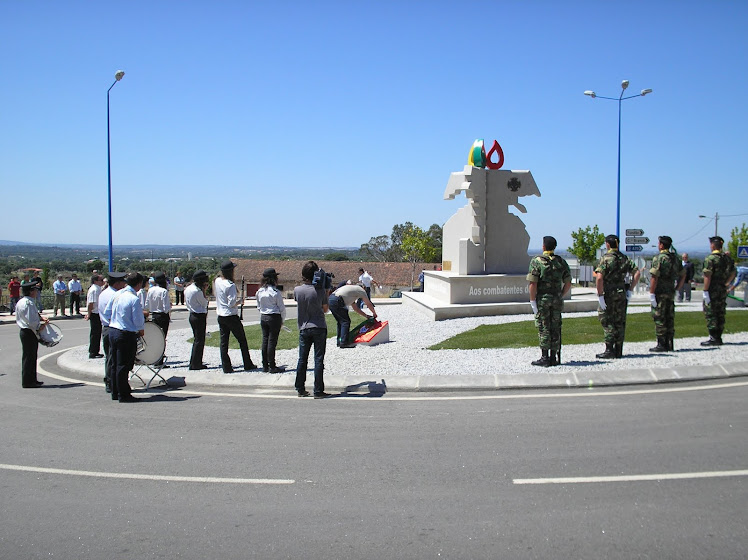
[
  {"x": 199, "y": 276},
  {"x": 269, "y": 272},
  {"x": 228, "y": 265},
  {"x": 29, "y": 284},
  {"x": 716, "y": 239},
  {"x": 116, "y": 277},
  {"x": 159, "y": 278}
]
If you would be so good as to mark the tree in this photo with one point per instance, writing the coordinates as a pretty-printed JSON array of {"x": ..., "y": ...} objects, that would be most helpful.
[
  {"x": 336, "y": 257},
  {"x": 737, "y": 237},
  {"x": 434, "y": 234},
  {"x": 97, "y": 264},
  {"x": 416, "y": 247},
  {"x": 377, "y": 248},
  {"x": 586, "y": 243}
]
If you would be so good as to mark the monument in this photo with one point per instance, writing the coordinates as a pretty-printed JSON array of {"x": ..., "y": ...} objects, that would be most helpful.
[{"x": 484, "y": 245}]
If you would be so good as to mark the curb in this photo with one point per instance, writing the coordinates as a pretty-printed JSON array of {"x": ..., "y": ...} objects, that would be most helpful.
[{"x": 93, "y": 369}]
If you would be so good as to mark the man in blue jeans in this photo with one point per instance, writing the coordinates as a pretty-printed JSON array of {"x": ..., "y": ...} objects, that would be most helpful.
[{"x": 311, "y": 308}]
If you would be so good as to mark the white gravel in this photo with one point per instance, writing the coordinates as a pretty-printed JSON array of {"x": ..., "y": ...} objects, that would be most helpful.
[{"x": 411, "y": 333}]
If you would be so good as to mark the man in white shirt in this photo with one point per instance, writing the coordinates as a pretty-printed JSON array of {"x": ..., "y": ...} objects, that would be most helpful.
[
  {"x": 29, "y": 321},
  {"x": 178, "y": 288},
  {"x": 75, "y": 294},
  {"x": 227, "y": 309},
  {"x": 116, "y": 283},
  {"x": 59, "y": 288},
  {"x": 197, "y": 303},
  {"x": 340, "y": 299},
  {"x": 158, "y": 305},
  {"x": 366, "y": 281},
  {"x": 92, "y": 315}
]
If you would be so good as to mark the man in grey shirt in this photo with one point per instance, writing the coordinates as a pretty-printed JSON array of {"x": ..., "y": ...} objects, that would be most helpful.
[{"x": 311, "y": 309}]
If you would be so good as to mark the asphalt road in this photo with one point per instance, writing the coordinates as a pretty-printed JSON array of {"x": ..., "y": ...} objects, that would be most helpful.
[{"x": 369, "y": 477}]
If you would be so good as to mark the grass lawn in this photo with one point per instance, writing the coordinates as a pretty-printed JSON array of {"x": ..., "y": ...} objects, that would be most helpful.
[
  {"x": 286, "y": 340},
  {"x": 587, "y": 330}
]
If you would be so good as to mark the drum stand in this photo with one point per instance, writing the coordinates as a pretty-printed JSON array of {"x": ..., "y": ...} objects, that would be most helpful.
[{"x": 154, "y": 369}]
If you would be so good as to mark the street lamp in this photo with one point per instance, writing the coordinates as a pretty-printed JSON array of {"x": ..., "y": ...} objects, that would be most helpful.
[
  {"x": 716, "y": 221},
  {"x": 117, "y": 77},
  {"x": 620, "y": 98}
]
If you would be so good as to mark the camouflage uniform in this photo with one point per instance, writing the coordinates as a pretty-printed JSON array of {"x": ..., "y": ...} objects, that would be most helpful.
[
  {"x": 719, "y": 267},
  {"x": 667, "y": 268},
  {"x": 550, "y": 272},
  {"x": 614, "y": 266}
]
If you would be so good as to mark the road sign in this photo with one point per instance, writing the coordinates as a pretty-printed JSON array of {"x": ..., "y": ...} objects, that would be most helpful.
[
  {"x": 637, "y": 240},
  {"x": 743, "y": 251},
  {"x": 634, "y": 248},
  {"x": 634, "y": 232}
]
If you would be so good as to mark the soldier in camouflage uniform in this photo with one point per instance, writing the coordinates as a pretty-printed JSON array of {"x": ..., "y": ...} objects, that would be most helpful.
[
  {"x": 666, "y": 271},
  {"x": 613, "y": 295},
  {"x": 550, "y": 281},
  {"x": 719, "y": 271}
]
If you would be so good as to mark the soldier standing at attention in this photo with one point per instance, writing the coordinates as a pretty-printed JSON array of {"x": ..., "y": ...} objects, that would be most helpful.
[
  {"x": 610, "y": 277},
  {"x": 666, "y": 271},
  {"x": 550, "y": 281},
  {"x": 719, "y": 271}
]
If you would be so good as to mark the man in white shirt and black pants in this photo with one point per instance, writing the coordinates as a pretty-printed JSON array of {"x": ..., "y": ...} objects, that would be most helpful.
[
  {"x": 197, "y": 303},
  {"x": 158, "y": 305},
  {"x": 75, "y": 288},
  {"x": 92, "y": 315},
  {"x": 29, "y": 321},
  {"x": 227, "y": 309},
  {"x": 116, "y": 283}
]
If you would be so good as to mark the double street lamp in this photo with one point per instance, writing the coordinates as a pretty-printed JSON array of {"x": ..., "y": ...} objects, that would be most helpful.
[
  {"x": 117, "y": 77},
  {"x": 620, "y": 98}
]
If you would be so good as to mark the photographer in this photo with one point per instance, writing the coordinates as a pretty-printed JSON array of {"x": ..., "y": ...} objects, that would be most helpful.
[{"x": 347, "y": 295}]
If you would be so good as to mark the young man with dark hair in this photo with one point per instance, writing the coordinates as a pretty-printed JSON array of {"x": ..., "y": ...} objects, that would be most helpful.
[
  {"x": 126, "y": 324},
  {"x": 227, "y": 309},
  {"x": 312, "y": 304}
]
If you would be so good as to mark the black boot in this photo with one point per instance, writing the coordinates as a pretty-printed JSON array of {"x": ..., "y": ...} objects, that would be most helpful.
[
  {"x": 662, "y": 345},
  {"x": 670, "y": 345},
  {"x": 619, "y": 349},
  {"x": 544, "y": 361},
  {"x": 714, "y": 339},
  {"x": 609, "y": 353},
  {"x": 555, "y": 357}
]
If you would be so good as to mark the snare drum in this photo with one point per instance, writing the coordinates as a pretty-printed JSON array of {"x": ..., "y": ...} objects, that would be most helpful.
[
  {"x": 49, "y": 335},
  {"x": 151, "y": 345}
]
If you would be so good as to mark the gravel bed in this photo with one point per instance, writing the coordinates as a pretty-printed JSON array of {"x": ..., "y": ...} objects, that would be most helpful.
[{"x": 411, "y": 333}]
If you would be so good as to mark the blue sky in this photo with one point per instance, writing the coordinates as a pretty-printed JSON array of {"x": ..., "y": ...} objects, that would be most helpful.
[{"x": 326, "y": 123}]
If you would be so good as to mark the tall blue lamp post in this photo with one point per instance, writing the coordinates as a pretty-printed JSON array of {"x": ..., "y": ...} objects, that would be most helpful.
[
  {"x": 117, "y": 77},
  {"x": 620, "y": 98}
]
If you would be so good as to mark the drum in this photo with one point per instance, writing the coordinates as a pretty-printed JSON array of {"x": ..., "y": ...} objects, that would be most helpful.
[
  {"x": 151, "y": 345},
  {"x": 49, "y": 335}
]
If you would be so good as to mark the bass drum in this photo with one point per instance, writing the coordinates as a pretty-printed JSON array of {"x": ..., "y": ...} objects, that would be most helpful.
[
  {"x": 151, "y": 345},
  {"x": 50, "y": 335}
]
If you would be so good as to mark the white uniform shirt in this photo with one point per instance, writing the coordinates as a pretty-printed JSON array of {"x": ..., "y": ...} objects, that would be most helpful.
[
  {"x": 365, "y": 279},
  {"x": 74, "y": 286},
  {"x": 270, "y": 301},
  {"x": 104, "y": 298},
  {"x": 227, "y": 300},
  {"x": 158, "y": 300},
  {"x": 142, "y": 295},
  {"x": 92, "y": 296},
  {"x": 27, "y": 316},
  {"x": 195, "y": 299}
]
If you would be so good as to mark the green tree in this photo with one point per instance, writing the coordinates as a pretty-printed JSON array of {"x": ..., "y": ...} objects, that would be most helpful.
[
  {"x": 336, "y": 257},
  {"x": 434, "y": 234},
  {"x": 586, "y": 243},
  {"x": 737, "y": 237},
  {"x": 416, "y": 248},
  {"x": 45, "y": 276},
  {"x": 377, "y": 248},
  {"x": 97, "y": 264}
]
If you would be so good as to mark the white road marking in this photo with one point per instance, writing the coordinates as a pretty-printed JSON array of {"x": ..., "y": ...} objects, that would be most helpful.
[
  {"x": 203, "y": 479},
  {"x": 630, "y": 478},
  {"x": 585, "y": 392}
]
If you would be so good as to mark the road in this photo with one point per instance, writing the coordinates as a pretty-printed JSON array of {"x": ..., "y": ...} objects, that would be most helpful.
[{"x": 420, "y": 477}]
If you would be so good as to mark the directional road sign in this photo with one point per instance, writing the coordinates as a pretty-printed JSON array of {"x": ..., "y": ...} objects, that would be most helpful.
[
  {"x": 634, "y": 248},
  {"x": 637, "y": 240},
  {"x": 743, "y": 251},
  {"x": 634, "y": 232}
]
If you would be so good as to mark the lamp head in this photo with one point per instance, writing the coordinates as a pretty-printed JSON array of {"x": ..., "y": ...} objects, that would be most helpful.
[
  {"x": 118, "y": 76},
  {"x": 590, "y": 93},
  {"x": 624, "y": 84},
  {"x": 646, "y": 91}
]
